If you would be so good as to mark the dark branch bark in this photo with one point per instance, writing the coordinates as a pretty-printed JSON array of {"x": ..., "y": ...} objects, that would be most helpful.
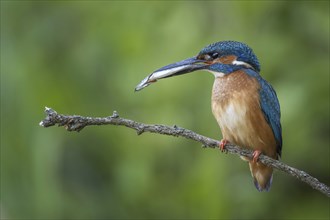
[{"x": 77, "y": 123}]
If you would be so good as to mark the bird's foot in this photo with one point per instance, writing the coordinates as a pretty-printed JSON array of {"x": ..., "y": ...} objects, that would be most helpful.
[
  {"x": 255, "y": 155},
  {"x": 222, "y": 145}
]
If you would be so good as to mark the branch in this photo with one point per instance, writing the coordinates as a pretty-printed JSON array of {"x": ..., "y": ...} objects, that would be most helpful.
[{"x": 77, "y": 123}]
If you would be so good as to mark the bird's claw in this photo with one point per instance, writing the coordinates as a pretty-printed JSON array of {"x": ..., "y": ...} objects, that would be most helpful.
[
  {"x": 222, "y": 145},
  {"x": 255, "y": 155}
]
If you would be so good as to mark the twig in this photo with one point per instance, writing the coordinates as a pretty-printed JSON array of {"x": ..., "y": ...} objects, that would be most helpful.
[{"x": 77, "y": 123}]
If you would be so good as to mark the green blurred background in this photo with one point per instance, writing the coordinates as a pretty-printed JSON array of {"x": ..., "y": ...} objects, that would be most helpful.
[{"x": 86, "y": 57}]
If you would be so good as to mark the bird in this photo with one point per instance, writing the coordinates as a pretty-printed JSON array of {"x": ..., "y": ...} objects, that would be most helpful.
[{"x": 244, "y": 104}]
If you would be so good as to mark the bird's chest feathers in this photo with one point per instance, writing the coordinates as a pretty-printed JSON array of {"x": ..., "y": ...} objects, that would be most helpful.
[{"x": 235, "y": 105}]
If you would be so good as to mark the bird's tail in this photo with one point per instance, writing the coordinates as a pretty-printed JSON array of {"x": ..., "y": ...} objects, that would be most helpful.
[{"x": 262, "y": 175}]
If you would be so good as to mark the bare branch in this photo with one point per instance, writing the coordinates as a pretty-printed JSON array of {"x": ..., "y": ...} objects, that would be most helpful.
[{"x": 77, "y": 123}]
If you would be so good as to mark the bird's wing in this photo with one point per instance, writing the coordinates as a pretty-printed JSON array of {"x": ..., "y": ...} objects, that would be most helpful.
[{"x": 271, "y": 108}]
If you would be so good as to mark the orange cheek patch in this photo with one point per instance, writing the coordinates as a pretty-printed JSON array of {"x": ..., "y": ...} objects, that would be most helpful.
[{"x": 226, "y": 59}]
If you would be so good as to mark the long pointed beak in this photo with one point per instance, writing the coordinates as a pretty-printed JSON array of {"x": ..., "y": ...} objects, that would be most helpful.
[{"x": 185, "y": 66}]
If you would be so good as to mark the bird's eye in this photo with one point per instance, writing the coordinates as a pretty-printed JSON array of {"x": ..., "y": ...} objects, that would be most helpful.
[{"x": 214, "y": 55}]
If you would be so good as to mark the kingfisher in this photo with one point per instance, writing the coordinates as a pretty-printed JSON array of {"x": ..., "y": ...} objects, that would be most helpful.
[{"x": 244, "y": 104}]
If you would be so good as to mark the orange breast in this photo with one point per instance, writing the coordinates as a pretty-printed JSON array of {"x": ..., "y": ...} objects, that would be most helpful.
[{"x": 236, "y": 107}]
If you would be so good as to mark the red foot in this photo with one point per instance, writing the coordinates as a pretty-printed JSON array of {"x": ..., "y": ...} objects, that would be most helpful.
[
  {"x": 222, "y": 145},
  {"x": 255, "y": 155}
]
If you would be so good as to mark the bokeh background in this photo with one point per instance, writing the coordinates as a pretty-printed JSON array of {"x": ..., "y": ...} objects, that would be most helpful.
[{"x": 86, "y": 57}]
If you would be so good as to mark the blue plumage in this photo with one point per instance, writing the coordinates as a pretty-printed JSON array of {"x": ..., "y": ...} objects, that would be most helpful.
[
  {"x": 240, "y": 50},
  {"x": 224, "y": 68}
]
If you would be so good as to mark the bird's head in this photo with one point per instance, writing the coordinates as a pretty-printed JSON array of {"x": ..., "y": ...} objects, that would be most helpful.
[{"x": 220, "y": 58}]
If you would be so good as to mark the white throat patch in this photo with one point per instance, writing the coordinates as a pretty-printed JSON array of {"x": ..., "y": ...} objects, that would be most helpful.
[{"x": 216, "y": 74}]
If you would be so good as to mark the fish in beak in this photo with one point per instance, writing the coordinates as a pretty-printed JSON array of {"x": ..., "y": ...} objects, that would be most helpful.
[{"x": 185, "y": 66}]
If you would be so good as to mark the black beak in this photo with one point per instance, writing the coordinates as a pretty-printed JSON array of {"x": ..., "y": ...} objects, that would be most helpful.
[{"x": 185, "y": 66}]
